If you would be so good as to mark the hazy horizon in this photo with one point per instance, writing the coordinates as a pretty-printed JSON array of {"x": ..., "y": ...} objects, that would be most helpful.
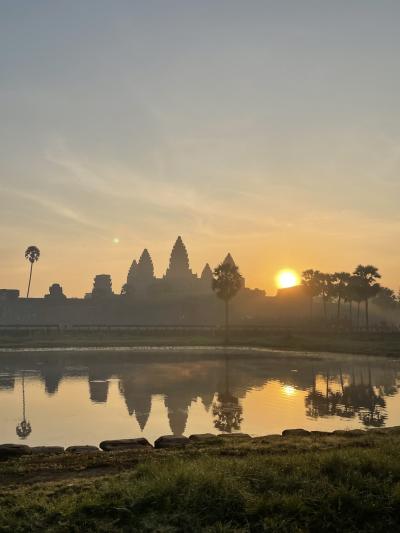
[{"x": 269, "y": 130}]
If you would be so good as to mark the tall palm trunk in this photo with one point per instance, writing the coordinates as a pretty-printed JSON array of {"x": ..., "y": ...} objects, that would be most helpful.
[
  {"x": 366, "y": 314},
  {"x": 338, "y": 307},
  {"x": 30, "y": 278},
  {"x": 324, "y": 303},
  {"x": 311, "y": 308},
  {"x": 23, "y": 398},
  {"x": 226, "y": 321},
  {"x": 358, "y": 314}
]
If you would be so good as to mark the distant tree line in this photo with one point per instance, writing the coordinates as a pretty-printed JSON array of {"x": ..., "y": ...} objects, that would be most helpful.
[{"x": 358, "y": 288}]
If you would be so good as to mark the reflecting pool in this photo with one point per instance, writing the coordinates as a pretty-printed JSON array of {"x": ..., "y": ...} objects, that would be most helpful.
[{"x": 83, "y": 397}]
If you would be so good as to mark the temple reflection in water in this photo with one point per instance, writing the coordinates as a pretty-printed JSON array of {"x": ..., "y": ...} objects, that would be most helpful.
[{"x": 356, "y": 390}]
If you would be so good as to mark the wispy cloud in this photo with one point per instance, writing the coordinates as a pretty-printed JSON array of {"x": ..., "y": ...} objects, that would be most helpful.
[{"x": 53, "y": 206}]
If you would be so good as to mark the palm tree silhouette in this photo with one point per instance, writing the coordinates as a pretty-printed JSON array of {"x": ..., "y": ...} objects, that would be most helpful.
[
  {"x": 340, "y": 281},
  {"x": 367, "y": 276},
  {"x": 32, "y": 254},
  {"x": 24, "y": 428},
  {"x": 311, "y": 282},
  {"x": 226, "y": 283},
  {"x": 327, "y": 290}
]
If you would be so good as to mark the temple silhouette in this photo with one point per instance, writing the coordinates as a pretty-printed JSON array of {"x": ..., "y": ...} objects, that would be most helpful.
[
  {"x": 179, "y": 297},
  {"x": 178, "y": 278}
]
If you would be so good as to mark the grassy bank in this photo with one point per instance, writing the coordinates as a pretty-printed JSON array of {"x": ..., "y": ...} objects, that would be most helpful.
[
  {"x": 378, "y": 344},
  {"x": 293, "y": 484}
]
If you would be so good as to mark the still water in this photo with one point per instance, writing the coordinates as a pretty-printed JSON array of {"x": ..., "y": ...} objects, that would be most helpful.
[{"x": 83, "y": 397}]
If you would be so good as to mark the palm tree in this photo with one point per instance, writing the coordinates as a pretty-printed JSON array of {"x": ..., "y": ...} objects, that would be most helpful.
[
  {"x": 327, "y": 290},
  {"x": 385, "y": 299},
  {"x": 226, "y": 283},
  {"x": 32, "y": 254},
  {"x": 340, "y": 282},
  {"x": 310, "y": 279},
  {"x": 354, "y": 294},
  {"x": 367, "y": 276}
]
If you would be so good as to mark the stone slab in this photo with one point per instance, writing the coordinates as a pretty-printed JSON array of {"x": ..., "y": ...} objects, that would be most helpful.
[
  {"x": 10, "y": 451},
  {"x": 47, "y": 450},
  {"x": 82, "y": 449},
  {"x": 298, "y": 432},
  {"x": 124, "y": 444},
  {"x": 171, "y": 441}
]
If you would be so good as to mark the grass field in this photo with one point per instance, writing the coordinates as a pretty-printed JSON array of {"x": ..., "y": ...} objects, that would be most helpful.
[
  {"x": 378, "y": 344},
  {"x": 293, "y": 484}
]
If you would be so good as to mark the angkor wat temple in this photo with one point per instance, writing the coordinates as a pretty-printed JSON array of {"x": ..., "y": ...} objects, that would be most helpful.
[
  {"x": 178, "y": 280},
  {"x": 178, "y": 277},
  {"x": 179, "y": 297}
]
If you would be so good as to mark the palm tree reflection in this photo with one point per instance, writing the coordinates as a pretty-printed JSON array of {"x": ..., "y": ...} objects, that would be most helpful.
[
  {"x": 227, "y": 409},
  {"x": 321, "y": 404},
  {"x": 355, "y": 398},
  {"x": 24, "y": 428}
]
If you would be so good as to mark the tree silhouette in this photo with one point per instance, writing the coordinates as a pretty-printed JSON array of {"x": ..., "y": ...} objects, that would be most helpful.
[
  {"x": 340, "y": 281},
  {"x": 226, "y": 283},
  {"x": 367, "y": 276},
  {"x": 354, "y": 293},
  {"x": 311, "y": 282},
  {"x": 386, "y": 299},
  {"x": 32, "y": 254},
  {"x": 327, "y": 289}
]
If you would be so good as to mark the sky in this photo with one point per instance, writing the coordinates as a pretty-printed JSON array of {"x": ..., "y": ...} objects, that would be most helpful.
[{"x": 270, "y": 129}]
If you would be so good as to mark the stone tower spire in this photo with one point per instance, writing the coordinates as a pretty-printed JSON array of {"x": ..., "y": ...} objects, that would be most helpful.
[
  {"x": 229, "y": 260},
  {"x": 145, "y": 268},
  {"x": 179, "y": 262},
  {"x": 206, "y": 278},
  {"x": 132, "y": 273},
  {"x": 207, "y": 274}
]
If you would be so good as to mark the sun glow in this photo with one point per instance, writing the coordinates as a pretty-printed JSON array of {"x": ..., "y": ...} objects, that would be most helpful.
[{"x": 287, "y": 278}]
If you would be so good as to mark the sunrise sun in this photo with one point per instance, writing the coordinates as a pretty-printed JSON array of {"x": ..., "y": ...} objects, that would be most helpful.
[{"x": 287, "y": 278}]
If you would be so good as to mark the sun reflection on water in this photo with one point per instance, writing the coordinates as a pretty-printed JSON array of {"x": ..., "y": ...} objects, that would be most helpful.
[{"x": 288, "y": 390}]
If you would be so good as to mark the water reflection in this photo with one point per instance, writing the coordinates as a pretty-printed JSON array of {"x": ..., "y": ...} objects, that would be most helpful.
[
  {"x": 24, "y": 428},
  {"x": 227, "y": 410},
  {"x": 210, "y": 392},
  {"x": 355, "y": 398}
]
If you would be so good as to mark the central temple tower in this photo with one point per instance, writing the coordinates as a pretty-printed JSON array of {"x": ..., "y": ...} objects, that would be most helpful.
[
  {"x": 178, "y": 273},
  {"x": 178, "y": 262}
]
